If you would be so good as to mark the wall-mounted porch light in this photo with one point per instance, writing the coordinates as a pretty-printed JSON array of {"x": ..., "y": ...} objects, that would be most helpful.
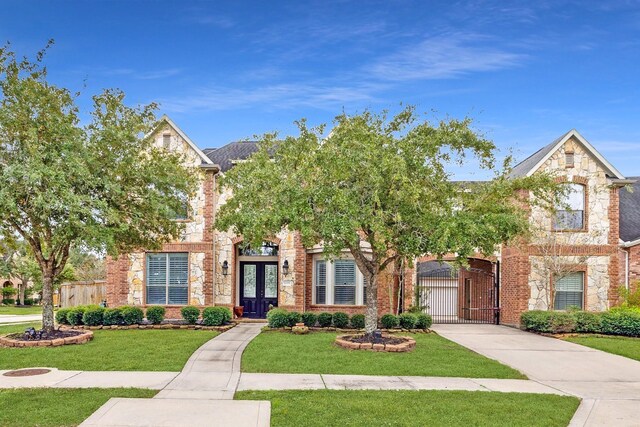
[
  {"x": 285, "y": 267},
  {"x": 225, "y": 268}
]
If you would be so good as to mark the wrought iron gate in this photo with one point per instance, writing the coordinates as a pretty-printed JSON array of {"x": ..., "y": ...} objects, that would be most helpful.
[{"x": 452, "y": 295}]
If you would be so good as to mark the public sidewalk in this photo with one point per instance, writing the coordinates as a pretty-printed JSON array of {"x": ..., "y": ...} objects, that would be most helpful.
[{"x": 608, "y": 384}]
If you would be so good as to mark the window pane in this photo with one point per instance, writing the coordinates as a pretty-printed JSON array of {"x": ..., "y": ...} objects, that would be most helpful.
[
  {"x": 344, "y": 272},
  {"x": 365, "y": 282},
  {"x": 267, "y": 249},
  {"x": 575, "y": 198},
  {"x": 321, "y": 282},
  {"x": 270, "y": 281},
  {"x": 178, "y": 269},
  {"x": 156, "y": 279},
  {"x": 344, "y": 295},
  {"x": 156, "y": 295},
  {"x": 569, "y": 220},
  {"x": 178, "y": 295},
  {"x": 249, "y": 281},
  {"x": 569, "y": 291}
]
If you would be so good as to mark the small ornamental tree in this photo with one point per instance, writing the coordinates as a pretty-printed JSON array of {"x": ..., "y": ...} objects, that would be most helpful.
[
  {"x": 380, "y": 189},
  {"x": 103, "y": 185}
]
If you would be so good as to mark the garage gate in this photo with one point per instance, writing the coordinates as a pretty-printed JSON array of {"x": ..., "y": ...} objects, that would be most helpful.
[{"x": 452, "y": 295}]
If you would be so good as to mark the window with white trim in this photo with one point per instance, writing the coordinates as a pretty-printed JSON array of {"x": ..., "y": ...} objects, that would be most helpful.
[
  {"x": 167, "y": 278},
  {"x": 570, "y": 212},
  {"x": 569, "y": 291},
  {"x": 338, "y": 282}
]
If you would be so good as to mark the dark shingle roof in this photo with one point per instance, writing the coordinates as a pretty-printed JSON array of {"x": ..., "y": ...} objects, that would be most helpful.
[
  {"x": 226, "y": 155},
  {"x": 522, "y": 168},
  {"x": 630, "y": 212}
]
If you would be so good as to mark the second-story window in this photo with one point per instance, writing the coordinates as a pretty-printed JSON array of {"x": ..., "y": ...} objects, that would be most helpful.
[
  {"x": 570, "y": 214},
  {"x": 182, "y": 213},
  {"x": 166, "y": 141}
]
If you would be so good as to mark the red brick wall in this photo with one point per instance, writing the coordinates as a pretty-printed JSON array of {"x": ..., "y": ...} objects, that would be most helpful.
[
  {"x": 117, "y": 287},
  {"x": 514, "y": 286}
]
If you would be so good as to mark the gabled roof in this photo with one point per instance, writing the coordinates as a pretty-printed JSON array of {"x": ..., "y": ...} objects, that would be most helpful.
[
  {"x": 226, "y": 155},
  {"x": 531, "y": 164},
  {"x": 184, "y": 136},
  {"x": 630, "y": 212}
]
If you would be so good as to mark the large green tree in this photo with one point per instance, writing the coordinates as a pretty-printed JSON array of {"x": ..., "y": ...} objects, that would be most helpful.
[
  {"x": 101, "y": 185},
  {"x": 381, "y": 189}
]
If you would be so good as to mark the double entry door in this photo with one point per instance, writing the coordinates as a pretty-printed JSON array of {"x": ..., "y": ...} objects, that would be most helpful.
[{"x": 258, "y": 287}]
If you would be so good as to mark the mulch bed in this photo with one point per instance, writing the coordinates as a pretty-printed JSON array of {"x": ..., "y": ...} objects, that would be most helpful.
[
  {"x": 367, "y": 339},
  {"x": 386, "y": 343},
  {"x": 55, "y": 334},
  {"x": 57, "y": 338}
]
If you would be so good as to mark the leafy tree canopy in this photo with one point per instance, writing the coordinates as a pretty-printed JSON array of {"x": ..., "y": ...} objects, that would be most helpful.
[
  {"x": 383, "y": 184},
  {"x": 101, "y": 185}
]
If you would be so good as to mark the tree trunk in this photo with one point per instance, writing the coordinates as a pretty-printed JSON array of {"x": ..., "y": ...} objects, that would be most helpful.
[
  {"x": 47, "y": 299},
  {"x": 371, "y": 314},
  {"x": 21, "y": 288}
]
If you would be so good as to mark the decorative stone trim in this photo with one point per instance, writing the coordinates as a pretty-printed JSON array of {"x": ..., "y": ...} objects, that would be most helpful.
[
  {"x": 78, "y": 339},
  {"x": 163, "y": 326},
  {"x": 408, "y": 345}
]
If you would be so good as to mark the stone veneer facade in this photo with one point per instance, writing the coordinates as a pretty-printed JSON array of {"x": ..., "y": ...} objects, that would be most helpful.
[
  {"x": 208, "y": 249},
  {"x": 595, "y": 251}
]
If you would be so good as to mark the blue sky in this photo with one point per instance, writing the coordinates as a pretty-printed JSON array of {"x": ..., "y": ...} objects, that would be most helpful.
[{"x": 525, "y": 71}]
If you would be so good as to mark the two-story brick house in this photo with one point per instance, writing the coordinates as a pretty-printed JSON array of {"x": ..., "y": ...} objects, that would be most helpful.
[{"x": 207, "y": 267}]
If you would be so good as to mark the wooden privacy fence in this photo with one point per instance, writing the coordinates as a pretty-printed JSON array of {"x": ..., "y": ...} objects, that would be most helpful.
[{"x": 82, "y": 293}]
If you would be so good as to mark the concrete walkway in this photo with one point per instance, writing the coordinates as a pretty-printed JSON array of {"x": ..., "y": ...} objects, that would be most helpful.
[
  {"x": 201, "y": 395},
  {"x": 7, "y": 319},
  {"x": 608, "y": 384}
]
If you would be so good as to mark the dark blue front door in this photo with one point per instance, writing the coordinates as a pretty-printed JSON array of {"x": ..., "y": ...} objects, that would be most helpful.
[{"x": 258, "y": 287}]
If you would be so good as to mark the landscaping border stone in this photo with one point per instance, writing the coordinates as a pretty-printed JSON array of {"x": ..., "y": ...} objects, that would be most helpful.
[
  {"x": 408, "y": 345},
  {"x": 161, "y": 326},
  {"x": 82, "y": 338}
]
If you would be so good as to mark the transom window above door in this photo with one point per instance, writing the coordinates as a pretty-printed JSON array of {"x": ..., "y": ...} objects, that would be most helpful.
[
  {"x": 266, "y": 249},
  {"x": 338, "y": 282},
  {"x": 167, "y": 278}
]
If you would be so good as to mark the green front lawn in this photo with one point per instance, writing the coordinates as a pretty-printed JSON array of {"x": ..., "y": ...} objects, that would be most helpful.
[
  {"x": 623, "y": 346},
  {"x": 131, "y": 350},
  {"x": 316, "y": 353},
  {"x": 17, "y": 310},
  {"x": 57, "y": 406},
  {"x": 414, "y": 408}
]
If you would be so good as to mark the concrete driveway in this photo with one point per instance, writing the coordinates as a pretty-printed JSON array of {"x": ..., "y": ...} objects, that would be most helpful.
[{"x": 608, "y": 384}]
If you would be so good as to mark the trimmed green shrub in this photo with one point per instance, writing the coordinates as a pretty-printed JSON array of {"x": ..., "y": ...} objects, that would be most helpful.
[
  {"x": 155, "y": 314},
  {"x": 588, "y": 322},
  {"x": 93, "y": 315},
  {"x": 278, "y": 318},
  {"x": 621, "y": 321},
  {"x": 389, "y": 321},
  {"x": 407, "y": 320},
  {"x": 8, "y": 292},
  {"x": 28, "y": 301},
  {"x": 325, "y": 319},
  {"x": 190, "y": 314},
  {"x": 357, "y": 321},
  {"x": 132, "y": 315},
  {"x": 340, "y": 320},
  {"x": 294, "y": 317},
  {"x": 553, "y": 322},
  {"x": 112, "y": 316},
  {"x": 61, "y": 316},
  {"x": 309, "y": 319},
  {"x": 8, "y": 301},
  {"x": 423, "y": 321},
  {"x": 74, "y": 316},
  {"x": 215, "y": 316}
]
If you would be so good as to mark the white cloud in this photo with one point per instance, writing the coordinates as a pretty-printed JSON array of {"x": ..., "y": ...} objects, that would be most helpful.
[
  {"x": 445, "y": 56},
  {"x": 275, "y": 96}
]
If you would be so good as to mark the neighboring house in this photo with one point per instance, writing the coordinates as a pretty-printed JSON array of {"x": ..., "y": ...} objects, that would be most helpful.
[{"x": 207, "y": 267}]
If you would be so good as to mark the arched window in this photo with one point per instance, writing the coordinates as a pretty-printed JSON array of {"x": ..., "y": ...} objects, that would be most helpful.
[{"x": 570, "y": 211}]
